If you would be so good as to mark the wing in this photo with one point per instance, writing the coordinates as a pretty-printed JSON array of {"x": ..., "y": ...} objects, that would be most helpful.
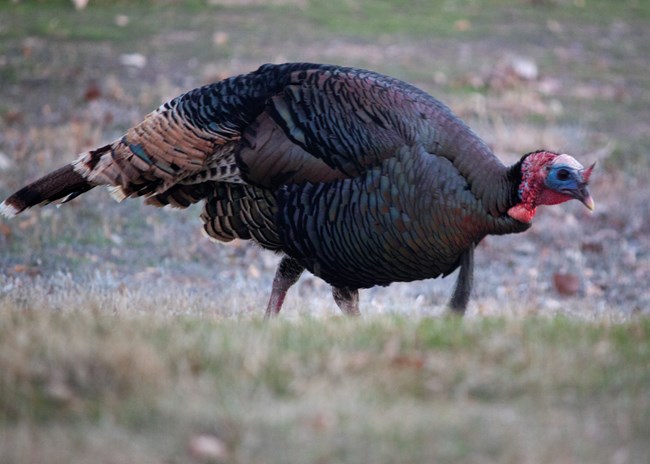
[
  {"x": 328, "y": 124},
  {"x": 332, "y": 123}
]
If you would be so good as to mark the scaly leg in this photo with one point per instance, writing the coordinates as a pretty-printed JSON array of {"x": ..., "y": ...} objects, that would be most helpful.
[
  {"x": 347, "y": 300},
  {"x": 460, "y": 298},
  {"x": 287, "y": 274}
]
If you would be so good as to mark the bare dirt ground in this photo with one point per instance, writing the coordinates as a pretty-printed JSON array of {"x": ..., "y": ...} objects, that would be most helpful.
[{"x": 553, "y": 76}]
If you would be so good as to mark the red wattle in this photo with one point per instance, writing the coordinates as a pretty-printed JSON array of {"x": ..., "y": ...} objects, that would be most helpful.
[
  {"x": 522, "y": 213},
  {"x": 550, "y": 197}
]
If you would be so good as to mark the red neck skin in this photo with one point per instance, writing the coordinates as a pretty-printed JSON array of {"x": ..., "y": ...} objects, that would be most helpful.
[{"x": 532, "y": 190}]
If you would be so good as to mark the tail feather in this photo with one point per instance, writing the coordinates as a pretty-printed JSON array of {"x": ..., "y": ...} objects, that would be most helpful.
[{"x": 61, "y": 185}]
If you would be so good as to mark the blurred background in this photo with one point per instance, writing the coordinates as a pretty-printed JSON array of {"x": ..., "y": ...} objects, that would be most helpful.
[
  {"x": 566, "y": 75},
  {"x": 126, "y": 336}
]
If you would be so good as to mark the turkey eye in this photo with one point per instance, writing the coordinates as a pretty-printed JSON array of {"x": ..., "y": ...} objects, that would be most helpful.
[{"x": 563, "y": 174}]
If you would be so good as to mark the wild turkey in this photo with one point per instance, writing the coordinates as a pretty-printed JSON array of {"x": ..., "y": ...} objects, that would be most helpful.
[{"x": 358, "y": 177}]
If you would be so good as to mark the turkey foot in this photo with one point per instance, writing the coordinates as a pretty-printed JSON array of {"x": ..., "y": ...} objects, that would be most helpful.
[{"x": 347, "y": 300}]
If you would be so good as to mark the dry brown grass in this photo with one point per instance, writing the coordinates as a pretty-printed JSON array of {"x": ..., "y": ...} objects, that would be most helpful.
[{"x": 104, "y": 386}]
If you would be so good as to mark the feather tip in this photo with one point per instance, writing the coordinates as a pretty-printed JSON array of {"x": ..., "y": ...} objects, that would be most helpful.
[
  {"x": 117, "y": 193},
  {"x": 8, "y": 210},
  {"x": 80, "y": 167}
]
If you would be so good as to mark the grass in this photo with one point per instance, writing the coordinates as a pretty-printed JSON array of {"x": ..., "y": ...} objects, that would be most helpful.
[
  {"x": 126, "y": 337},
  {"x": 323, "y": 390}
]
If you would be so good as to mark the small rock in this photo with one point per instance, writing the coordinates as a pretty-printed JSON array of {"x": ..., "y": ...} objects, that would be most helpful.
[
  {"x": 135, "y": 60},
  {"x": 253, "y": 271},
  {"x": 5, "y": 162},
  {"x": 552, "y": 304},
  {"x": 80, "y": 4},
  {"x": 121, "y": 20},
  {"x": 550, "y": 86},
  {"x": 116, "y": 239},
  {"x": 59, "y": 391},
  {"x": 554, "y": 26},
  {"x": 207, "y": 448},
  {"x": 440, "y": 78},
  {"x": 525, "y": 68}
]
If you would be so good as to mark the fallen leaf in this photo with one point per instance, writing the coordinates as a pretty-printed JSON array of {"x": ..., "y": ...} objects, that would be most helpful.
[
  {"x": 220, "y": 38},
  {"x": 462, "y": 25},
  {"x": 29, "y": 222},
  {"x": 31, "y": 271},
  {"x": 5, "y": 230},
  {"x": 92, "y": 92},
  {"x": 566, "y": 284},
  {"x": 322, "y": 421},
  {"x": 414, "y": 361},
  {"x": 592, "y": 246},
  {"x": 13, "y": 116}
]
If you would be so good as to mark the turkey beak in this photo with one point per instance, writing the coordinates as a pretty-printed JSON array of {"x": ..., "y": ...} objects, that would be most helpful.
[{"x": 583, "y": 195}]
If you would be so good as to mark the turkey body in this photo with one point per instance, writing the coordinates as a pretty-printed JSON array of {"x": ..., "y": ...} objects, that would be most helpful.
[
  {"x": 357, "y": 177},
  {"x": 410, "y": 218}
]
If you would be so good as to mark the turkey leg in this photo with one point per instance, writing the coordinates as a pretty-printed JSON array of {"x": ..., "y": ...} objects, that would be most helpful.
[
  {"x": 460, "y": 298},
  {"x": 287, "y": 274}
]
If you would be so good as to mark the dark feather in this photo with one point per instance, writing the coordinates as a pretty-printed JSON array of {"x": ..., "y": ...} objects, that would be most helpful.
[{"x": 61, "y": 185}]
